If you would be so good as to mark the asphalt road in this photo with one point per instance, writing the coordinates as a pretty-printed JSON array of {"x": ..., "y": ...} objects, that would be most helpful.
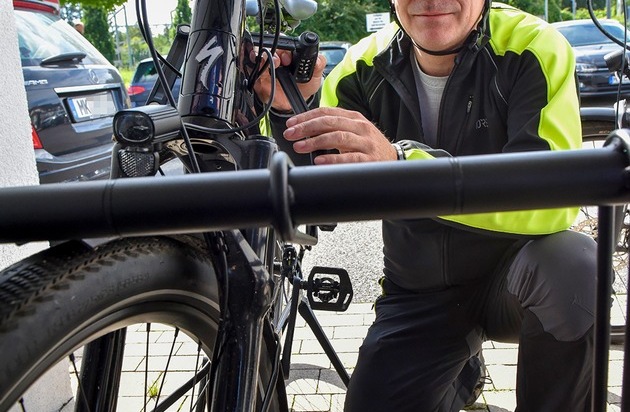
[{"x": 356, "y": 247}]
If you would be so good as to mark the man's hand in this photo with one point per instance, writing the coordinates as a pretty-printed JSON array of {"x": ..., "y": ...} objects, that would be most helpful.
[
  {"x": 356, "y": 138},
  {"x": 280, "y": 101}
]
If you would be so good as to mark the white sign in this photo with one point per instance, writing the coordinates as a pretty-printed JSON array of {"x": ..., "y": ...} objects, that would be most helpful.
[{"x": 376, "y": 21}]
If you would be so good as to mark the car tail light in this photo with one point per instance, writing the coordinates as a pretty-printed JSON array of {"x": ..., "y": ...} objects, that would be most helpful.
[
  {"x": 37, "y": 144},
  {"x": 133, "y": 90},
  {"x": 50, "y": 6}
]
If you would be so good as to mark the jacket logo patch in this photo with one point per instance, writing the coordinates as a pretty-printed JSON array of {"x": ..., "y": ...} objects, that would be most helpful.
[{"x": 481, "y": 123}]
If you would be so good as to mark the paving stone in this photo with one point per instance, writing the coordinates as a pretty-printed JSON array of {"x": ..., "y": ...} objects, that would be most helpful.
[
  {"x": 342, "y": 320},
  {"x": 500, "y": 356},
  {"x": 503, "y": 376},
  {"x": 500, "y": 401},
  {"x": 344, "y": 332},
  {"x": 340, "y": 345},
  {"x": 330, "y": 382},
  {"x": 314, "y": 386},
  {"x": 312, "y": 403}
]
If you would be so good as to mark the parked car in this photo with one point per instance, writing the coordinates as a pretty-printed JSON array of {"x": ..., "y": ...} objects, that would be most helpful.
[
  {"x": 142, "y": 82},
  {"x": 590, "y": 46},
  {"x": 334, "y": 51},
  {"x": 73, "y": 93}
]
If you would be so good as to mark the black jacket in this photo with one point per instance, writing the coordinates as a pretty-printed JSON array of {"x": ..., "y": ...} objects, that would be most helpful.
[{"x": 512, "y": 90}]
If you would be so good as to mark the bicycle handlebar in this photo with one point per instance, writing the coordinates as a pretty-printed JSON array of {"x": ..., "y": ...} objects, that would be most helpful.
[{"x": 285, "y": 197}]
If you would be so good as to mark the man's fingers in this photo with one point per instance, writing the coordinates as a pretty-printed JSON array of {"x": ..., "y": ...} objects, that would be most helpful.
[
  {"x": 343, "y": 141},
  {"x": 314, "y": 127},
  {"x": 319, "y": 112},
  {"x": 319, "y": 125}
]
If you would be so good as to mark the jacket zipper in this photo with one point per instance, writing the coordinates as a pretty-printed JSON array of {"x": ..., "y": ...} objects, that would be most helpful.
[
  {"x": 446, "y": 245},
  {"x": 462, "y": 126}
]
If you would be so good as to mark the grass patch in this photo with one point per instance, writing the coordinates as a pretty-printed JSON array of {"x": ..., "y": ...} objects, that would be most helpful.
[{"x": 127, "y": 75}]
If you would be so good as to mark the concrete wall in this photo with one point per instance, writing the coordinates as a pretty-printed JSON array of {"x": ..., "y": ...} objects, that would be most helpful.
[
  {"x": 17, "y": 162},
  {"x": 17, "y": 168}
]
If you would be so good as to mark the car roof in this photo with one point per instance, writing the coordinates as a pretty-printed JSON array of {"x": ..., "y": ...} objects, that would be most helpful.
[
  {"x": 343, "y": 44},
  {"x": 583, "y": 21}
]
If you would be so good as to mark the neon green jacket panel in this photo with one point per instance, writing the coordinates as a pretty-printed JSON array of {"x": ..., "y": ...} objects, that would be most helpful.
[{"x": 526, "y": 100}]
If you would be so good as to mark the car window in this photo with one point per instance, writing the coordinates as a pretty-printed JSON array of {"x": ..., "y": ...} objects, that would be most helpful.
[
  {"x": 333, "y": 56},
  {"x": 584, "y": 35},
  {"x": 145, "y": 73},
  {"x": 43, "y": 35}
]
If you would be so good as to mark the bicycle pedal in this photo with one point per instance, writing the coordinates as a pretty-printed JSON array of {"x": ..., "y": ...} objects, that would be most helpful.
[{"x": 329, "y": 289}]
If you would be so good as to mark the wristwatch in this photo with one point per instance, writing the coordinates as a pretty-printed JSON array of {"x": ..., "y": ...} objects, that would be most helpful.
[{"x": 399, "y": 151}]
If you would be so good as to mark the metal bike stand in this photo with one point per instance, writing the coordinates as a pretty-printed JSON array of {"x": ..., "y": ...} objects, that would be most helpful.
[
  {"x": 605, "y": 244},
  {"x": 302, "y": 305},
  {"x": 625, "y": 384},
  {"x": 309, "y": 316},
  {"x": 305, "y": 310}
]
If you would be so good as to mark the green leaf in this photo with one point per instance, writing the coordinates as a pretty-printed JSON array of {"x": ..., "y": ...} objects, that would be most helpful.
[{"x": 106, "y": 5}]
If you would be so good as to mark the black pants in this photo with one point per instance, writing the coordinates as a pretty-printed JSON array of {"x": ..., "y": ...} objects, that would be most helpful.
[{"x": 542, "y": 297}]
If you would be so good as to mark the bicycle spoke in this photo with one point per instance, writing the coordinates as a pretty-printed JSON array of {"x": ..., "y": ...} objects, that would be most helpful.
[
  {"x": 202, "y": 391},
  {"x": 73, "y": 362},
  {"x": 146, "y": 366},
  {"x": 192, "y": 396},
  {"x": 168, "y": 361}
]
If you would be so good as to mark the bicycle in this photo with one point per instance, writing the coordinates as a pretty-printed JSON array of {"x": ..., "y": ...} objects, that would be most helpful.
[
  {"x": 179, "y": 260},
  {"x": 198, "y": 303}
]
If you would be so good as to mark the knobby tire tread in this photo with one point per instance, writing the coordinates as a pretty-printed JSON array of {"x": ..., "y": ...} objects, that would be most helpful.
[{"x": 41, "y": 294}]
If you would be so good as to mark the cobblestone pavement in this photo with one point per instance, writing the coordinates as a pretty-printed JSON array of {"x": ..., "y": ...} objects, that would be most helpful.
[{"x": 313, "y": 384}]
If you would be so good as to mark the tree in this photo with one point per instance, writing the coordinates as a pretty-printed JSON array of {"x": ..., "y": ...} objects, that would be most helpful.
[
  {"x": 342, "y": 19},
  {"x": 139, "y": 49},
  {"x": 183, "y": 13},
  {"x": 107, "y": 5},
  {"x": 71, "y": 12},
  {"x": 537, "y": 8},
  {"x": 581, "y": 4},
  {"x": 97, "y": 31}
]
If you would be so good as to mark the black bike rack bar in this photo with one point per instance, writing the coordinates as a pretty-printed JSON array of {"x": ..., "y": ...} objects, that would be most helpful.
[
  {"x": 336, "y": 193},
  {"x": 601, "y": 337}
]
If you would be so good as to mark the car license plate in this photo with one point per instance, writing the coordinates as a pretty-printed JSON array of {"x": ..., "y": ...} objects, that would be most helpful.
[
  {"x": 92, "y": 106},
  {"x": 615, "y": 80}
]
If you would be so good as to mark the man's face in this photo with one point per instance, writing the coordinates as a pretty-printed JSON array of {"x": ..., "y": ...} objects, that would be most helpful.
[{"x": 438, "y": 24}]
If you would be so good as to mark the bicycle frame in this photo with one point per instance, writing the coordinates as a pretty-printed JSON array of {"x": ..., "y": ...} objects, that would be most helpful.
[{"x": 213, "y": 71}]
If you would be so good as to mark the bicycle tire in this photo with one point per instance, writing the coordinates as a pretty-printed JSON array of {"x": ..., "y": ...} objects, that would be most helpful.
[{"x": 57, "y": 300}]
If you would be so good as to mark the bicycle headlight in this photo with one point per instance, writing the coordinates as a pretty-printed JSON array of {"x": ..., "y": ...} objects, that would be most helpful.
[{"x": 146, "y": 124}]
